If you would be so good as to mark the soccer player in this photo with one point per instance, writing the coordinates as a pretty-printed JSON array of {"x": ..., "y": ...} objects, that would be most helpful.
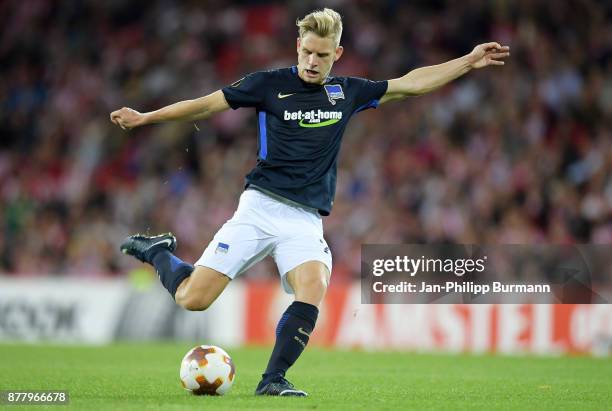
[{"x": 302, "y": 112}]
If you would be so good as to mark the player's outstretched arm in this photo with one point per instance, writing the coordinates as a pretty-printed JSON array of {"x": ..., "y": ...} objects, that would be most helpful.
[
  {"x": 188, "y": 110},
  {"x": 426, "y": 79}
]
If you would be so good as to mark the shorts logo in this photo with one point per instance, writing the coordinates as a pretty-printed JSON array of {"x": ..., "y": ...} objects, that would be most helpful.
[
  {"x": 326, "y": 249},
  {"x": 222, "y": 248},
  {"x": 334, "y": 92}
]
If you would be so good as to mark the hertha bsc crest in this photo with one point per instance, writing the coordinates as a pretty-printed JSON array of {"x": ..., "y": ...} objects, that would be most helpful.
[
  {"x": 222, "y": 248},
  {"x": 334, "y": 92}
]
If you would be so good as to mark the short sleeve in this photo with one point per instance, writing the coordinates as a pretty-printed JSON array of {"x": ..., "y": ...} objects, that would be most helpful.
[
  {"x": 369, "y": 93},
  {"x": 246, "y": 92}
]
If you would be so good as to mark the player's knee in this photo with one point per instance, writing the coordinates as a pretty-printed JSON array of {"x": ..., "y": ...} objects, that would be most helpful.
[
  {"x": 201, "y": 289},
  {"x": 313, "y": 283},
  {"x": 193, "y": 303}
]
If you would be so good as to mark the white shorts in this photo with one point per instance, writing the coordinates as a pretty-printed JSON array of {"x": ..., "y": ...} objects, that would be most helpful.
[{"x": 263, "y": 225}]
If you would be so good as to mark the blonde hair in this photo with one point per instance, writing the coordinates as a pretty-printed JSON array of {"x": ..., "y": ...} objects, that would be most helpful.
[{"x": 324, "y": 23}]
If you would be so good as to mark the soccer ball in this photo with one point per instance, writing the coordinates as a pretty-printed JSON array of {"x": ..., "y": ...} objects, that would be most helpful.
[{"x": 207, "y": 370}]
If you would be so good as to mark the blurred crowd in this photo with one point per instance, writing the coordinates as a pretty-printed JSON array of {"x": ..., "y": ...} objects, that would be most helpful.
[{"x": 517, "y": 154}]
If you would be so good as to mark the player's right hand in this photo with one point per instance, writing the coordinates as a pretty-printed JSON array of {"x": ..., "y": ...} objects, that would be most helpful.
[{"x": 127, "y": 118}]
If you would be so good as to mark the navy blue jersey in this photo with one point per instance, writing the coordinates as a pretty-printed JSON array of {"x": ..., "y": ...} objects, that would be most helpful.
[{"x": 300, "y": 130}]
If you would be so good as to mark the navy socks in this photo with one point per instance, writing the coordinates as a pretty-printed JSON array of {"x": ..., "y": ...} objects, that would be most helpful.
[
  {"x": 292, "y": 335},
  {"x": 170, "y": 269}
]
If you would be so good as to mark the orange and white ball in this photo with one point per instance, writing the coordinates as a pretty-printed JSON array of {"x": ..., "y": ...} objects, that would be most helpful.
[{"x": 207, "y": 370}]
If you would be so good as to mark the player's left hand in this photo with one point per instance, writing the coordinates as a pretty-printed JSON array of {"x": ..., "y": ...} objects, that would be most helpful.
[
  {"x": 488, "y": 54},
  {"x": 127, "y": 118}
]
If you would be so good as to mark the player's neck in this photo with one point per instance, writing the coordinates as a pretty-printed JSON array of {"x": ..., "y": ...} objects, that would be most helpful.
[{"x": 309, "y": 83}]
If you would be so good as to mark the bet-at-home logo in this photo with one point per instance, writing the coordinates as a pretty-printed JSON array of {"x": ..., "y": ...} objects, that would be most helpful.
[{"x": 314, "y": 118}]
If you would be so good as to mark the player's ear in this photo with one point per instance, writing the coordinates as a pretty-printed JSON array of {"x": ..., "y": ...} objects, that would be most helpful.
[
  {"x": 339, "y": 51},
  {"x": 298, "y": 44}
]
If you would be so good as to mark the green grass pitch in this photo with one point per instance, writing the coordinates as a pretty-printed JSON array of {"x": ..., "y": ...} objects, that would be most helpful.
[{"x": 145, "y": 377}]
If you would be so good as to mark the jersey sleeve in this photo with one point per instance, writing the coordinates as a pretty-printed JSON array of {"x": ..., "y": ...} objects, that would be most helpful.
[
  {"x": 246, "y": 92},
  {"x": 368, "y": 93}
]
